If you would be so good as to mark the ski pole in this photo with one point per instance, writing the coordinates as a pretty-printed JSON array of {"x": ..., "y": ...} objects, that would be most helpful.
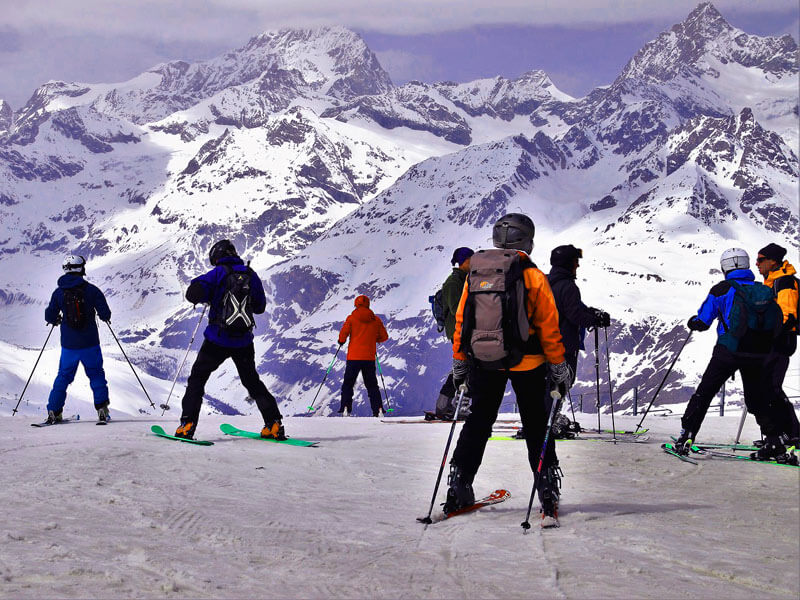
[
  {"x": 597, "y": 374},
  {"x": 165, "y": 406},
  {"x": 571, "y": 407},
  {"x": 49, "y": 333},
  {"x": 330, "y": 366},
  {"x": 660, "y": 385},
  {"x": 427, "y": 520},
  {"x": 741, "y": 425},
  {"x": 129, "y": 364},
  {"x": 380, "y": 371},
  {"x": 610, "y": 384},
  {"x": 557, "y": 397}
]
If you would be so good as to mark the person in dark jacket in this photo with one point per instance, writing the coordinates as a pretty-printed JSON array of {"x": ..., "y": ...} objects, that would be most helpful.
[
  {"x": 451, "y": 295},
  {"x": 73, "y": 305},
  {"x": 365, "y": 330},
  {"x": 228, "y": 335},
  {"x": 781, "y": 276},
  {"x": 574, "y": 317},
  {"x": 724, "y": 363}
]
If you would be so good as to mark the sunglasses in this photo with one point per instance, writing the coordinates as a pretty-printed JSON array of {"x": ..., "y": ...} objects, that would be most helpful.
[{"x": 761, "y": 259}]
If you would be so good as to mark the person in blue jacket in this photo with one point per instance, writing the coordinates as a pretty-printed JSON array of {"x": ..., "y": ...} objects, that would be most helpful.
[
  {"x": 234, "y": 293},
  {"x": 73, "y": 306},
  {"x": 724, "y": 363}
]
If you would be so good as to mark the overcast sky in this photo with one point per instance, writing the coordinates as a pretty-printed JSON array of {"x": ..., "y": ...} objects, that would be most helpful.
[{"x": 580, "y": 43}]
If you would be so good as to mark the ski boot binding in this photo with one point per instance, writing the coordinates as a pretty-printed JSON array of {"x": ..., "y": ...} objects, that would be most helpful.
[
  {"x": 186, "y": 430},
  {"x": 273, "y": 431}
]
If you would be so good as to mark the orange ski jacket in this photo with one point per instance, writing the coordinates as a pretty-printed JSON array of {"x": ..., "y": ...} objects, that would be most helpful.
[
  {"x": 542, "y": 314},
  {"x": 365, "y": 330}
]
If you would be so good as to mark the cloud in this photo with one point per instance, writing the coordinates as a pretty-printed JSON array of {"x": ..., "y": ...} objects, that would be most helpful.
[
  {"x": 404, "y": 66},
  {"x": 226, "y": 19}
]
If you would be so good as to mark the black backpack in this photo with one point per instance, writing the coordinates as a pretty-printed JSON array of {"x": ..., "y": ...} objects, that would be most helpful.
[
  {"x": 754, "y": 321},
  {"x": 438, "y": 309},
  {"x": 76, "y": 310},
  {"x": 235, "y": 315},
  {"x": 495, "y": 332}
]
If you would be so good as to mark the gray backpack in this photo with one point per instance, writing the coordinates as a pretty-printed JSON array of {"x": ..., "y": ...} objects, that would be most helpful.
[{"x": 495, "y": 330}]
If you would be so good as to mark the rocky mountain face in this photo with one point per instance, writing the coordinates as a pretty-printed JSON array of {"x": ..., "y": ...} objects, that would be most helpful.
[{"x": 334, "y": 183}]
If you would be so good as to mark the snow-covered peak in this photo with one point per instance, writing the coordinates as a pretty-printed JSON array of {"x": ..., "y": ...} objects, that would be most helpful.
[
  {"x": 705, "y": 34},
  {"x": 6, "y": 115}
]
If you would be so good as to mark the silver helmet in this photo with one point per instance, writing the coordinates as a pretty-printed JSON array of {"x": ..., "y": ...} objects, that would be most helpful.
[
  {"x": 514, "y": 231},
  {"x": 734, "y": 258},
  {"x": 74, "y": 263}
]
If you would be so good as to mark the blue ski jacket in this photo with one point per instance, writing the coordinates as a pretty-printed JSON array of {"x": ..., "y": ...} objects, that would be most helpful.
[
  {"x": 208, "y": 289},
  {"x": 719, "y": 301},
  {"x": 77, "y": 339}
]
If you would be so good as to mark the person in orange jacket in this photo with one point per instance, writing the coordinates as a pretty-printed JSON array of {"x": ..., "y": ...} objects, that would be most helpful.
[
  {"x": 781, "y": 276},
  {"x": 366, "y": 331},
  {"x": 475, "y": 345}
]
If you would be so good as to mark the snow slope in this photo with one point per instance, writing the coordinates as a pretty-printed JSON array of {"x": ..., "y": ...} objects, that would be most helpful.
[{"x": 116, "y": 512}]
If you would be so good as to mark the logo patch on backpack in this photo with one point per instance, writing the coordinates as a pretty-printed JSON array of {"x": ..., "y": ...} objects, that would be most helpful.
[
  {"x": 754, "y": 321},
  {"x": 236, "y": 311},
  {"x": 76, "y": 310},
  {"x": 495, "y": 332}
]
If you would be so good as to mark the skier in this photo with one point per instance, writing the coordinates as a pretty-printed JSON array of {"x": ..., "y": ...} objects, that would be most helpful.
[
  {"x": 501, "y": 336},
  {"x": 366, "y": 331},
  {"x": 451, "y": 294},
  {"x": 73, "y": 306},
  {"x": 781, "y": 277},
  {"x": 234, "y": 293},
  {"x": 731, "y": 354},
  {"x": 574, "y": 317}
]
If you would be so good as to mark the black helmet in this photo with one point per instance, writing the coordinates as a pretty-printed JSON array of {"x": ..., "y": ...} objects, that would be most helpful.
[
  {"x": 565, "y": 256},
  {"x": 220, "y": 250},
  {"x": 515, "y": 232}
]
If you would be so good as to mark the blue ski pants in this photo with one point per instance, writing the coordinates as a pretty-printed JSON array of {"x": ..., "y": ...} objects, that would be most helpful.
[{"x": 92, "y": 360}]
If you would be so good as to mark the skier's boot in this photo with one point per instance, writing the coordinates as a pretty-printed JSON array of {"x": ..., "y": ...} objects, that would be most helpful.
[
  {"x": 102, "y": 413},
  {"x": 273, "y": 431},
  {"x": 520, "y": 435},
  {"x": 186, "y": 429},
  {"x": 53, "y": 417},
  {"x": 459, "y": 494},
  {"x": 684, "y": 442},
  {"x": 549, "y": 494},
  {"x": 774, "y": 448}
]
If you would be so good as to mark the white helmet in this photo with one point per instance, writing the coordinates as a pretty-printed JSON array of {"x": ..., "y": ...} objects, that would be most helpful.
[
  {"x": 74, "y": 263},
  {"x": 734, "y": 258}
]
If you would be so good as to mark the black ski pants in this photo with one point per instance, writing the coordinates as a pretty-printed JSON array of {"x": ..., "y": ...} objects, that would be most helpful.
[
  {"x": 487, "y": 388},
  {"x": 209, "y": 358},
  {"x": 755, "y": 385},
  {"x": 776, "y": 365},
  {"x": 367, "y": 370}
]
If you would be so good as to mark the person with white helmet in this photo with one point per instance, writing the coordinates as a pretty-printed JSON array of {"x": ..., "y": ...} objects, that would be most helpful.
[
  {"x": 73, "y": 306},
  {"x": 742, "y": 345}
]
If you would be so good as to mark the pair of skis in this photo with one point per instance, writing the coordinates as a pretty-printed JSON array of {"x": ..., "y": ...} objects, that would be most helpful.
[
  {"x": 63, "y": 421},
  {"x": 714, "y": 451},
  {"x": 234, "y": 431}
]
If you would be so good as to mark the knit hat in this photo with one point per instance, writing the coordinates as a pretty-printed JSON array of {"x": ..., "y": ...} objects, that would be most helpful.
[
  {"x": 460, "y": 255},
  {"x": 565, "y": 256},
  {"x": 773, "y": 252}
]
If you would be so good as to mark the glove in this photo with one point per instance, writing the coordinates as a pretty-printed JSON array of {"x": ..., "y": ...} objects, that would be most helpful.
[
  {"x": 696, "y": 324},
  {"x": 460, "y": 372},
  {"x": 601, "y": 318},
  {"x": 57, "y": 321},
  {"x": 562, "y": 374}
]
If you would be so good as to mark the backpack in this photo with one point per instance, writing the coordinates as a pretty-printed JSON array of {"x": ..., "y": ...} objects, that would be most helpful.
[
  {"x": 76, "y": 310},
  {"x": 495, "y": 331},
  {"x": 235, "y": 315},
  {"x": 754, "y": 321},
  {"x": 438, "y": 310}
]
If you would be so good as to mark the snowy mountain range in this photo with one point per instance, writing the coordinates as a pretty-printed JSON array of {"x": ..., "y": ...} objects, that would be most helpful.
[{"x": 335, "y": 182}]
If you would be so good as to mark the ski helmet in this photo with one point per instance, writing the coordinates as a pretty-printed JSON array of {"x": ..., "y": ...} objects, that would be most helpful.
[
  {"x": 74, "y": 263},
  {"x": 734, "y": 258},
  {"x": 514, "y": 231},
  {"x": 220, "y": 250},
  {"x": 565, "y": 256}
]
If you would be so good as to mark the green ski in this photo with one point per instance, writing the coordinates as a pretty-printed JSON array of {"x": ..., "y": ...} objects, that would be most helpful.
[
  {"x": 670, "y": 449},
  {"x": 231, "y": 430},
  {"x": 159, "y": 431}
]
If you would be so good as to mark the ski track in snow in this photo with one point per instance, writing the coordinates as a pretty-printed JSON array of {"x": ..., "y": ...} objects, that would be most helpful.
[{"x": 116, "y": 511}]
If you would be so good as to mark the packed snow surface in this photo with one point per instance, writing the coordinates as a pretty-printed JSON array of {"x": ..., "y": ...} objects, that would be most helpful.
[{"x": 117, "y": 512}]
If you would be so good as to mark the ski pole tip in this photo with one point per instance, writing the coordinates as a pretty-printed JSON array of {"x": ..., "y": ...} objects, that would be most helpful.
[
  {"x": 426, "y": 520},
  {"x": 525, "y": 526}
]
